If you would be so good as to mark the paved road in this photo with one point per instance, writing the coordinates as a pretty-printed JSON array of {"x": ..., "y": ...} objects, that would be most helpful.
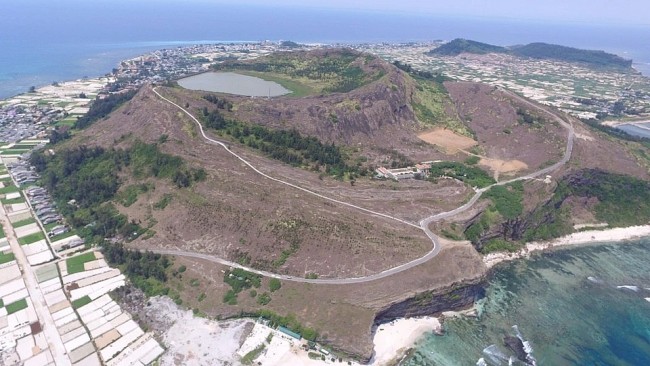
[
  {"x": 423, "y": 224},
  {"x": 52, "y": 336}
]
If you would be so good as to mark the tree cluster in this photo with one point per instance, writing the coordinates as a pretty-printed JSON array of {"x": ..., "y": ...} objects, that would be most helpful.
[
  {"x": 221, "y": 103},
  {"x": 90, "y": 177},
  {"x": 473, "y": 176},
  {"x": 59, "y": 134},
  {"x": 135, "y": 263},
  {"x": 101, "y": 108},
  {"x": 428, "y": 75},
  {"x": 525, "y": 116},
  {"x": 288, "y": 146},
  {"x": 289, "y": 322},
  {"x": 617, "y": 132}
]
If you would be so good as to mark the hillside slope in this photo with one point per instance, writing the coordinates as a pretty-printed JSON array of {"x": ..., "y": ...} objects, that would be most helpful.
[
  {"x": 227, "y": 209},
  {"x": 391, "y": 119}
]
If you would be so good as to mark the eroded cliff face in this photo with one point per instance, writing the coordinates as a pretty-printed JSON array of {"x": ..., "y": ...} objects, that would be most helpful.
[
  {"x": 428, "y": 303},
  {"x": 457, "y": 297}
]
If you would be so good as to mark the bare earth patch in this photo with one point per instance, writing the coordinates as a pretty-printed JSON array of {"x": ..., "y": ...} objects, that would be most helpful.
[
  {"x": 447, "y": 139},
  {"x": 196, "y": 341},
  {"x": 493, "y": 115},
  {"x": 503, "y": 166}
]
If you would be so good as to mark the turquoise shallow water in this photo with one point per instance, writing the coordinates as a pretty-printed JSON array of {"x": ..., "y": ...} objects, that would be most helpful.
[{"x": 565, "y": 304}]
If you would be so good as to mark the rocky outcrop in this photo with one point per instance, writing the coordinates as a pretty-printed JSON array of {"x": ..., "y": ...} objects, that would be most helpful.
[
  {"x": 434, "y": 302},
  {"x": 517, "y": 347}
]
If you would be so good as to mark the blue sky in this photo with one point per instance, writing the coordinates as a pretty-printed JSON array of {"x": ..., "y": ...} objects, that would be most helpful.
[
  {"x": 591, "y": 11},
  {"x": 632, "y": 12}
]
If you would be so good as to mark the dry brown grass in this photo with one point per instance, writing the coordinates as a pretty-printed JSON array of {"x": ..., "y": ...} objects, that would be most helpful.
[
  {"x": 238, "y": 214},
  {"x": 492, "y": 115}
]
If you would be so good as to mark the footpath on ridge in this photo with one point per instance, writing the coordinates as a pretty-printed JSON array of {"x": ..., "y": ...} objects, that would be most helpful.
[{"x": 423, "y": 224}]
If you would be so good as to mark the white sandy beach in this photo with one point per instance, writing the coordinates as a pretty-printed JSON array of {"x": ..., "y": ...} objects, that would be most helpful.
[
  {"x": 391, "y": 341},
  {"x": 583, "y": 237}
]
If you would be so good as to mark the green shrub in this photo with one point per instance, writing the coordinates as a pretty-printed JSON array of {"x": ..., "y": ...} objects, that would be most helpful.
[
  {"x": 472, "y": 160},
  {"x": 163, "y": 202},
  {"x": 252, "y": 355},
  {"x": 230, "y": 297},
  {"x": 264, "y": 298},
  {"x": 508, "y": 200},
  {"x": 499, "y": 245},
  {"x": 239, "y": 279},
  {"x": 274, "y": 284},
  {"x": 468, "y": 174}
]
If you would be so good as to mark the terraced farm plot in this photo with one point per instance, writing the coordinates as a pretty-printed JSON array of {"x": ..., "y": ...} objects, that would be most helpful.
[
  {"x": 31, "y": 238},
  {"x": 6, "y": 257},
  {"x": 12, "y": 201},
  {"x": 56, "y": 238},
  {"x": 13, "y": 151},
  {"x": 24, "y": 222},
  {"x": 46, "y": 272},
  {"x": 81, "y": 302},
  {"x": 76, "y": 264},
  {"x": 16, "y": 306}
]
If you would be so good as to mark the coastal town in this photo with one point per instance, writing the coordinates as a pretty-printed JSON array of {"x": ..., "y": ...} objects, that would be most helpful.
[
  {"x": 56, "y": 306},
  {"x": 573, "y": 88}
]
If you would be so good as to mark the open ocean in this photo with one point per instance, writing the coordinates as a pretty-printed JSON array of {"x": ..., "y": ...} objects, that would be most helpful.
[
  {"x": 41, "y": 44},
  {"x": 567, "y": 318}
]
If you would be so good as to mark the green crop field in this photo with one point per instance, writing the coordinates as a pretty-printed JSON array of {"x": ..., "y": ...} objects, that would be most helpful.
[
  {"x": 76, "y": 264},
  {"x": 24, "y": 222},
  {"x": 16, "y": 306},
  {"x": 9, "y": 189},
  {"x": 61, "y": 236},
  {"x": 81, "y": 302},
  {"x": 31, "y": 238},
  {"x": 6, "y": 258},
  {"x": 12, "y": 201},
  {"x": 13, "y": 151}
]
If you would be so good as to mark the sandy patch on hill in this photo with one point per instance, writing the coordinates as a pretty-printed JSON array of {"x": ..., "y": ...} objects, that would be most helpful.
[
  {"x": 503, "y": 166},
  {"x": 447, "y": 139}
]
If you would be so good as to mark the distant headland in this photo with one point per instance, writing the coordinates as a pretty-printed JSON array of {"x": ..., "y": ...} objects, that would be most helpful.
[{"x": 538, "y": 50}]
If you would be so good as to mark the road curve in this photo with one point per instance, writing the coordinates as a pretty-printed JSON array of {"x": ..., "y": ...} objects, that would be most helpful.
[{"x": 423, "y": 224}]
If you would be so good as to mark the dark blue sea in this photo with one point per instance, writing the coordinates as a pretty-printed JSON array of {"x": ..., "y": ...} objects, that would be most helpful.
[{"x": 42, "y": 42}]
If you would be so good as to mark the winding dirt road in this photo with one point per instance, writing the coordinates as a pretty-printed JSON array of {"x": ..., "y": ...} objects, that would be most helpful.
[{"x": 423, "y": 224}]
